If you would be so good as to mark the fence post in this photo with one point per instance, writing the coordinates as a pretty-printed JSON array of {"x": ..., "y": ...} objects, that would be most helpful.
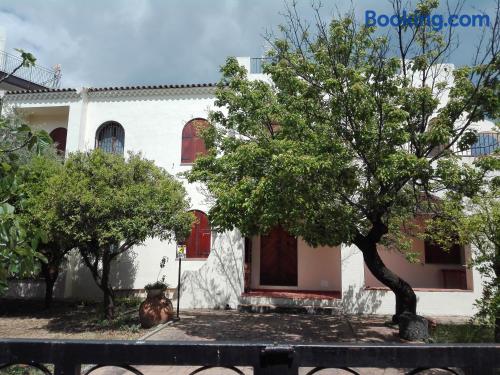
[{"x": 277, "y": 360}]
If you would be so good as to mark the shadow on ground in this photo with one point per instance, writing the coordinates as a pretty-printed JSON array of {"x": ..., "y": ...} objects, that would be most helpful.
[
  {"x": 235, "y": 326},
  {"x": 29, "y": 317}
]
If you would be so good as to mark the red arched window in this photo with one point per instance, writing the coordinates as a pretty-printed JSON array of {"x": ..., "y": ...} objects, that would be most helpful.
[
  {"x": 198, "y": 242},
  {"x": 192, "y": 143},
  {"x": 58, "y": 135}
]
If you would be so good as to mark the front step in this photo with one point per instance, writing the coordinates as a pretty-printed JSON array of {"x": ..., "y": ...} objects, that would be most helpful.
[{"x": 284, "y": 309}]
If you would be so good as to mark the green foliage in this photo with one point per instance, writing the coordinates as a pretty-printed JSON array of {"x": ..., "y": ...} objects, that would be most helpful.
[
  {"x": 108, "y": 201},
  {"x": 129, "y": 302},
  {"x": 476, "y": 221},
  {"x": 462, "y": 333},
  {"x": 18, "y": 246},
  {"x": 106, "y": 204},
  {"x": 38, "y": 218},
  {"x": 340, "y": 147},
  {"x": 156, "y": 285},
  {"x": 28, "y": 59},
  {"x": 353, "y": 143}
]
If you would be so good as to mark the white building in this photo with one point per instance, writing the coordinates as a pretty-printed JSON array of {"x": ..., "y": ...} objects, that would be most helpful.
[{"x": 224, "y": 268}]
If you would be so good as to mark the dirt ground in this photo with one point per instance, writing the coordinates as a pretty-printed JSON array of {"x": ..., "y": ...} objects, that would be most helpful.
[{"x": 29, "y": 319}]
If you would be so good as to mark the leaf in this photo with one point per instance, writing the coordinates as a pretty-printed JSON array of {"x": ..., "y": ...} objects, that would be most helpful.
[
  {"x": 6, "y": 209},
  {"x": 28, "y": 58}
]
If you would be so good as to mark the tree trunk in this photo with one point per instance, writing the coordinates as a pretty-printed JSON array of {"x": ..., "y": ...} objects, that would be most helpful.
[
  {"x": 497, "y": 328},
  {"x": 108, "y": 303},
  {"x": 406, "y": 300},
  {"x": 50, "y": 273},
  {"x": 108, "y": 297},
  {"x": 102, "y": 280}
]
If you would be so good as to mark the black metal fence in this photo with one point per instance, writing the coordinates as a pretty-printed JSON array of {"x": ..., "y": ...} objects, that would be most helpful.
[{"x": 71, "y": 356}]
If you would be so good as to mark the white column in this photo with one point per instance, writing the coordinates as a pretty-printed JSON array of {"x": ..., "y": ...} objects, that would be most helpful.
[{"x": 77, "y": 119}]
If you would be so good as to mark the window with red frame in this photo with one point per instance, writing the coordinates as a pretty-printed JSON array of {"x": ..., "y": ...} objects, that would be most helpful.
[
  {"x": 198, "y": 242},
  {"x": 58, "y": 135},
  {"x": 192, "y": 143}
]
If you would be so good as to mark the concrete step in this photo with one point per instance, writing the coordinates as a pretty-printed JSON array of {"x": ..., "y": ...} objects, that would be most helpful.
[
  {"x": 284, "y": 309},
  {"x": 290, "y": 302}
]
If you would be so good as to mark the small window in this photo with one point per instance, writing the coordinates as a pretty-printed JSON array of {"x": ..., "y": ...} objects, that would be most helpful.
[
  {"x": 486, "y": 144},
  {"x": 110, "y": 137},
  {"x": 198, "y": 243},
  {"x": 192, "y": 143},
  {"x": 58, "y": 135},
  {"x": 435, "y": 254}
]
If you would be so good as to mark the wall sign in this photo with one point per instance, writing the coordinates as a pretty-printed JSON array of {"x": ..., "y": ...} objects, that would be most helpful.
[{"x": 180, "y": 252}]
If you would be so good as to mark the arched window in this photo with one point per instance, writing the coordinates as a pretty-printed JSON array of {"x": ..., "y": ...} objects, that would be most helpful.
[
  {"x": 192, "y": 143},
  {"x": 198, "y": 242},
  {"x": 58, "y": 135},
  {"x": 110, "y": 137},
  {"x": 486, "y": 144}
]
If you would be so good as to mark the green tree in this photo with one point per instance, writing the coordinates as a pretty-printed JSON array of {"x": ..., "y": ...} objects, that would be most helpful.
[
  {"x": 18, "y": 255},
  {"x": 107, "y": 204},
  {"x": 37, "y": 216},
  {"x": 340, "y": 147},
  {"x": 476, "y": 221}
]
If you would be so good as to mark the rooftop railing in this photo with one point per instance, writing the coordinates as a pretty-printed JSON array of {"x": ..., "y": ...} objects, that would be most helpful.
[
  {"x": 50, "y": 78},
  {"x": 74, "y": 357},
  {"x": 486, "y": 144},
  {"x": 257, "y": 64}
]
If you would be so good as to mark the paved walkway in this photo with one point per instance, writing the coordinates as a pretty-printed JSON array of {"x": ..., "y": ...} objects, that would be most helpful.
[
  {"x": 212, "y": 325},
  {"x": 235, "y": 326}
]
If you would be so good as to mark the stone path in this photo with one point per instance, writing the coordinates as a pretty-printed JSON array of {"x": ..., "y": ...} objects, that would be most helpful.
[{"x": 212, "y": 325}]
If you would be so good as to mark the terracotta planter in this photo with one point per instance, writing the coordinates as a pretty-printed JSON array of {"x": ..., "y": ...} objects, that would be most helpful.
[{"x": 156, "y": 309}]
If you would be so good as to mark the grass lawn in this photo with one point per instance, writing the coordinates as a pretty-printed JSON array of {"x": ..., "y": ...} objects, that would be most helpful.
[
  {"x": 462, "y": 333},
  {"x": 68, "y": 320}
]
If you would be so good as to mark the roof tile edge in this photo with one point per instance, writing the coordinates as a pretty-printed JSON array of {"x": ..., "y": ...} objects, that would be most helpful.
[{"x": 116, "y": 88}]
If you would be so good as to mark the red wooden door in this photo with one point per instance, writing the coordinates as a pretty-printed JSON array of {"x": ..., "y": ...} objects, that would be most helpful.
[
  {"x": 198, "y": 242},
  {"x": 278, "y": 258}
]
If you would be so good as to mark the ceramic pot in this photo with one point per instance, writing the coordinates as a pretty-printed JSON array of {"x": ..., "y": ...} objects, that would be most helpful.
[{"x": 156, "y": 309}]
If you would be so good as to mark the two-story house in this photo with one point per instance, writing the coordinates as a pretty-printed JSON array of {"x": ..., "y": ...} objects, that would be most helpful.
[{"x": 223, "y": 268}]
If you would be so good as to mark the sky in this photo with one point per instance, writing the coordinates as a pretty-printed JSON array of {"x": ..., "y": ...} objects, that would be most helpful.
[{"x": 139, "y": 42}]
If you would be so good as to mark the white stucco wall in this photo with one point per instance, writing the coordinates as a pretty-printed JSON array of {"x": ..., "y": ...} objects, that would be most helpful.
[
  {"x": 357, "y": 299},
  {"x": 419, "y": 274}
]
